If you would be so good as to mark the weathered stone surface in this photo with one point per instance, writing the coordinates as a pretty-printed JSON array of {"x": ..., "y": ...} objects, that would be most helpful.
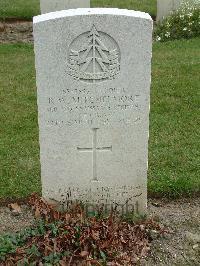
[
  {"x": 57, "y": 5},
  {"x": 93, "y": 79},
  {"x": 166, "y": 7}
]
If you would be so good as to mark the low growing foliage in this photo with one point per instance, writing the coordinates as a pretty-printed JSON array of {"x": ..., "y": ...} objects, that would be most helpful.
[
  {"x": 72, "y": 238},
  {"x": 182, "y": 24}
]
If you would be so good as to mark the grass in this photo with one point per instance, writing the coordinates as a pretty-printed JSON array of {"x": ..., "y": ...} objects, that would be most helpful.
[
  {"x": 29, "y": 8},
  {"x": 19, "y": 174},
  {"x": 148, "y": 6},
  {"x": 174, "y": 143},
  {"x": 19, "y": 8},
  {"x": 175, "y": 121}
]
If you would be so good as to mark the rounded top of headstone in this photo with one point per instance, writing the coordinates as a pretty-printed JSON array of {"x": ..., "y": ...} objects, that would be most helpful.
[{"x": 90, "y": 11}]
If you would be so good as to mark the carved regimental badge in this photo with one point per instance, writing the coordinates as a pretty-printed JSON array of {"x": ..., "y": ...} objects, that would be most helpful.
[{"x": 93, "y": 57}]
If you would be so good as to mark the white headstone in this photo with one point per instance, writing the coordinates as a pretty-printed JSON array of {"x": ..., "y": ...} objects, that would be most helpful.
[
  {"x": 93, "y": 78},
  {"x": 57, "y": 5},
  {"x": 166, "y": 7}
]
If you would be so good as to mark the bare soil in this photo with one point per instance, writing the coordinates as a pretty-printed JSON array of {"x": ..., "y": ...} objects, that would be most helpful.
[
  {"x": 17, "y": 31},
  {"x": 180, "y": 247}
]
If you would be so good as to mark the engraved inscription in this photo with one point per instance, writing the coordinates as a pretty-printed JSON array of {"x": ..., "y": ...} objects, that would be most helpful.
[
  {"x": 80, "y": 106},
  {"x": 93, "y": 57},
  {"x": 102, "y": 197},
  {"x": 94, "y": 150}
]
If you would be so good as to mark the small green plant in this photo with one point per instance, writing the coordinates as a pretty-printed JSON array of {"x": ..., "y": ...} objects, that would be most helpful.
[
  {"x": 54, "y": 258},
  {"x": 65, "y": 238},
  {"x": 182, "y": 24},
  {"x": 10, "y": 242},
  {"x": 33, "y": 251},
  {"x": 133, "y": 218}
]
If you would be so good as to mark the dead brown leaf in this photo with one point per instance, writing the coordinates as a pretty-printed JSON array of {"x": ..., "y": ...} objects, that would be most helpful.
[
  {"x": 87, "y": 240},
  {"x": 37, "y": 213},
  {"x": 15, "y": 208},
  {"x": 84, "y": 253}
]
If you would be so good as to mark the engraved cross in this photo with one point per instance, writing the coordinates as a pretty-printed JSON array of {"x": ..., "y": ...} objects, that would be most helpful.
[{"x": 94, "y": 151}]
